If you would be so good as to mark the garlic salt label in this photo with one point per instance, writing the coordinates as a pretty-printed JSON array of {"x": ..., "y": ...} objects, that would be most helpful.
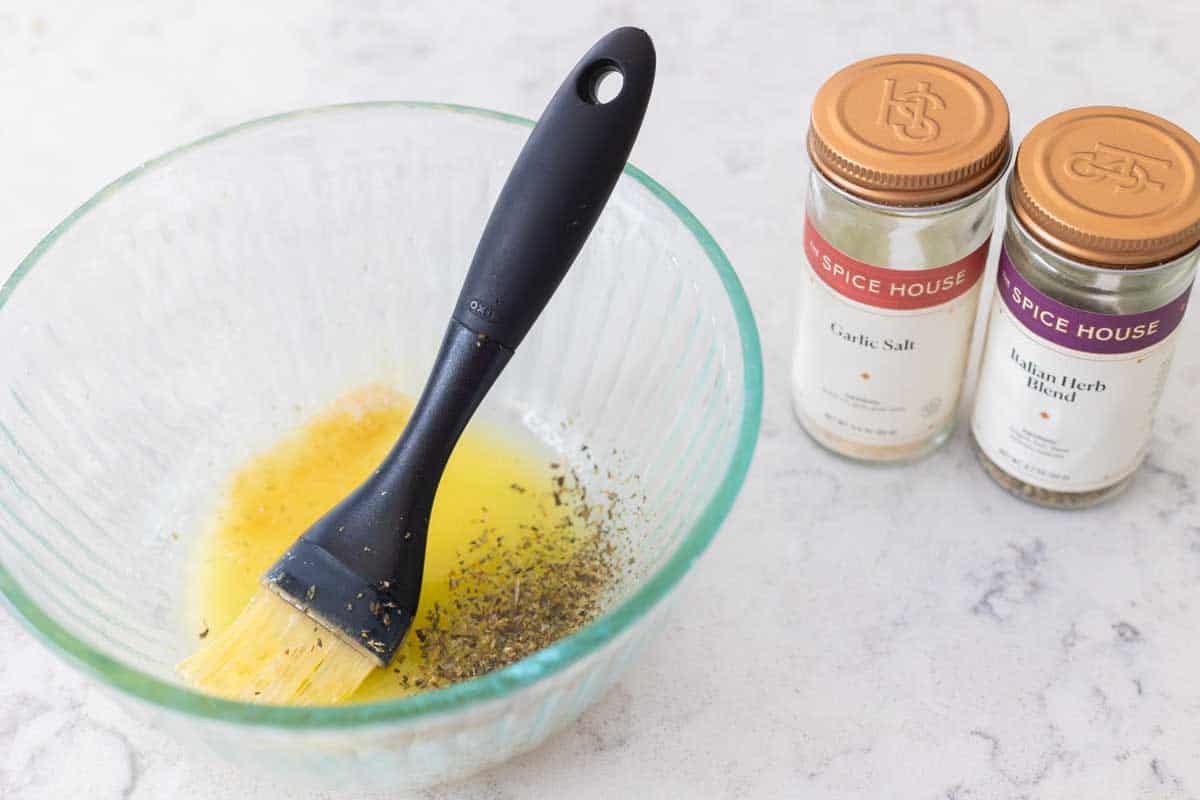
[
  {"x": 882, "y": 351},
  {"x": 1067, "y": 397}
]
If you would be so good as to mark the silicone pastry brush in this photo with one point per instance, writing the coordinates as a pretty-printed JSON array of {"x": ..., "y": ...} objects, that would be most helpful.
[{"x": 338, "y": 603}]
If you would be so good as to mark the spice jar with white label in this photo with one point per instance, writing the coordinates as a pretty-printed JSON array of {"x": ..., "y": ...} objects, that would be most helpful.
[
  {"x": 1097, "y": 263},
  {"x": 907, "y": 151}
]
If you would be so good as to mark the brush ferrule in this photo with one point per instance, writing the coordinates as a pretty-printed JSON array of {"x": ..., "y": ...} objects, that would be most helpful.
[{"x": 367, "y": 615}]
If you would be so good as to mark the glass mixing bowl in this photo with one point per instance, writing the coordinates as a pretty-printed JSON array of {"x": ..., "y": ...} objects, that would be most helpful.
[{"x": 201, "y": 306}]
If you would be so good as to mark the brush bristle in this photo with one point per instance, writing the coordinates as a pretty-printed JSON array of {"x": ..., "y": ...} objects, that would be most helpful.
[{"x": 274, "y": 653}]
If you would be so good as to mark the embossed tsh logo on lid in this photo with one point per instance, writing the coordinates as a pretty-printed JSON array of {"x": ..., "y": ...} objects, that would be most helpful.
[
  {"x": 1111, "y": 186},
  {"x": 1125, "y": 170},
  {"x": 909, "y": 130},
  {"x": 909, "y": 114}
]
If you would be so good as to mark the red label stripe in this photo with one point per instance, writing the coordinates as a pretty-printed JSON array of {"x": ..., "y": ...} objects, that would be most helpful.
[{"x": 899, "y": 289}]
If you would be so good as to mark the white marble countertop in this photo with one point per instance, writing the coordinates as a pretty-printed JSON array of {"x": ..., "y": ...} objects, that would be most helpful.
[{"x": 889, "y": 633}]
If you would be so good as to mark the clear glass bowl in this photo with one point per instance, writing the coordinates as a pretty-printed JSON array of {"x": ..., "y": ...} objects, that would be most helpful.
[{"x": 204, "y": 304}]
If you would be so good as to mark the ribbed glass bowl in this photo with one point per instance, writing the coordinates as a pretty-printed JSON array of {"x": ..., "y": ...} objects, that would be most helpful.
[{"x": 198, "y": 308}]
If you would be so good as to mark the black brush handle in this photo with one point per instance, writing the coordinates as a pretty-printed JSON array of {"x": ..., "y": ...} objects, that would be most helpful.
[
  {"x": 556, "y": 190},
  {"x": 359, "y": 567}
]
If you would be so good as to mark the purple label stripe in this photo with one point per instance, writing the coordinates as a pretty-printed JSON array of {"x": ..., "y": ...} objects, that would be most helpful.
[{"x": 1087, "y": 331}]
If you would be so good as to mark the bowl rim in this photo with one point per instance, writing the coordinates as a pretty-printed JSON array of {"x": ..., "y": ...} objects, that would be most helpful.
[{"x": 147, "y": 688}]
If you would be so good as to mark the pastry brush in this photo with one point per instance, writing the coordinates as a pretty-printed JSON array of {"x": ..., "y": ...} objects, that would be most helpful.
[{"x": 338, "y": 603}]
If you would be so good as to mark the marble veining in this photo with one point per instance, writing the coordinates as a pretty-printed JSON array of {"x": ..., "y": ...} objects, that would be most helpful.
[{"x": 912, "y": 634}]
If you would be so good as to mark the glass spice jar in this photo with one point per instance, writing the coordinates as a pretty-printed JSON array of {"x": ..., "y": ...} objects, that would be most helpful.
[
  {"x": 906, "y": 152},
  {"x": 1097, "y": 263}
]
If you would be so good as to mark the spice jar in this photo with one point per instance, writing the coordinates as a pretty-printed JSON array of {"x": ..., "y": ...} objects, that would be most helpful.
[
  {"x": 1095, "y": 270},
  {"x": 906, "y": 152}
]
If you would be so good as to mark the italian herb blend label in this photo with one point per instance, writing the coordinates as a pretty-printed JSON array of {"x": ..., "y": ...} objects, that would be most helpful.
[
  {"x": 882, "y": 351},
  {"x": 1067, "y": 397}
]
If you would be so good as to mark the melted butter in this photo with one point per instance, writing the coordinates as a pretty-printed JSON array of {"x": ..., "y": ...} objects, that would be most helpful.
[{"x": 492, "y": 480}]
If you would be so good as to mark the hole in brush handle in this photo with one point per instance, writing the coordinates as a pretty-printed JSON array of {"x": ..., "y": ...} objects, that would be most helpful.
[
  {"x": 557, "y": 189},
  {"x": 601, "y": 83}
]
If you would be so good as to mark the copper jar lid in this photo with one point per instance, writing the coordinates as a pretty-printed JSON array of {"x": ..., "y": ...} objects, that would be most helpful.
[
  {"x": 1109, "y": 186},
  {"x": 909, "y": 130}
]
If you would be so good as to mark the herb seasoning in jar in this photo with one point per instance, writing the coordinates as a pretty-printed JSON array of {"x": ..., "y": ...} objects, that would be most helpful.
[
  {"x": 1097, "y": 263},
  {"x": 906, "y": 151}
]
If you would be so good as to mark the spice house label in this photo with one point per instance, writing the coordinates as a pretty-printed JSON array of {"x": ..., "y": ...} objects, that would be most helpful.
[
  {"x": 884, "y": 288},
  {"x": 1054, "y": 377},
  {"x": 882, "y": 353}
]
